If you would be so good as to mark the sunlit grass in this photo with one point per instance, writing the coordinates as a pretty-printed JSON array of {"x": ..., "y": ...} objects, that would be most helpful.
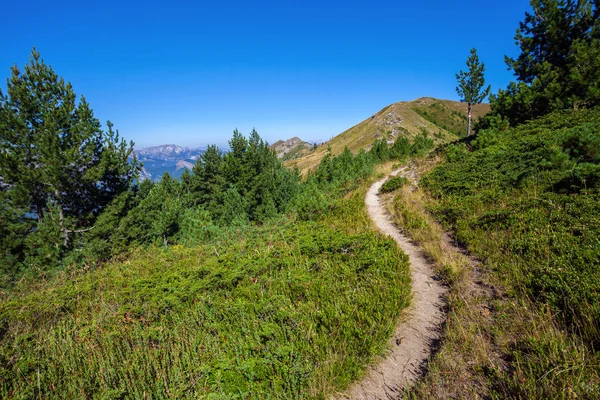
[{"x": 287, "y": 310}]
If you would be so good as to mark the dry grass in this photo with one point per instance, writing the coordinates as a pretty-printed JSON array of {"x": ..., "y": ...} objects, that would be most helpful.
[{"x": 467, "y": 353}]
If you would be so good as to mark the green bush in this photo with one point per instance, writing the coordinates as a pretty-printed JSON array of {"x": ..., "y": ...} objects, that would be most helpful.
[
  {"x": 274, "y": 311},
  {"x": 422, "y": 144},
  {"x": 197, "y": 227},
  {"x": 380, "y": 150},
  {"x": 393, "y": 184},
  {"x": 311, "y": 203},
  {"x": 527, "y": 200},
  {"x": 400, "y": 149}
]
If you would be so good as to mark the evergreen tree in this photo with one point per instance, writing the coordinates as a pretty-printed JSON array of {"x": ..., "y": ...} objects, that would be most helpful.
[
  {"x": 559, "y": 63},
  {"x": 234, "y": 167},
  {"x": 400, "y": 149},
  {"x": 207, "y": 183},
  {"x": 471, "y": 85},
  {"x": 14, "y": 227},
  {"x": 380, "y": 150},
  {"x": 54, "y": 154}
]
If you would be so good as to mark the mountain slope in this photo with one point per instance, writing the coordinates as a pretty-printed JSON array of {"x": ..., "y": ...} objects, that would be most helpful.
[
  {"x": 291, "y": 149},
  {"x": 444, "y": 120}
]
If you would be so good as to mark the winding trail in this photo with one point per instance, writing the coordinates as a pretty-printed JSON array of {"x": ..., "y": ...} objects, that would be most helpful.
[{"x": 420, "y": 326}]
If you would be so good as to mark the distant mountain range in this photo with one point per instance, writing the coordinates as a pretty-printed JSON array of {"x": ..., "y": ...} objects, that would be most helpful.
[{"x": 169, "y": 158}]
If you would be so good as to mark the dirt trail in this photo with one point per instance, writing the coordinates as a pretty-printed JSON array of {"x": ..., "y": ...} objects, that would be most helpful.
[{"x": 421, "y": 323}]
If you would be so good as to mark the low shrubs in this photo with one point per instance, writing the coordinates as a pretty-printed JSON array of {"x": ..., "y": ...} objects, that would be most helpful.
[
  {"x": 527, "y": 200},
  {"x": 393, "y": 184},
  {"x": 282, "y": 310}
]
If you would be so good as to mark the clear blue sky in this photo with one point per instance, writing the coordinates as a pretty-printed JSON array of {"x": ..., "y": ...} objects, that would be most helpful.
[{"x": 190, "y": 72}]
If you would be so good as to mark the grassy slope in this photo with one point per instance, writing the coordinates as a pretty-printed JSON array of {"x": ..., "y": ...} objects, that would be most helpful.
[
  {"x": 290, "y": 310},
  {"x": 449, "y": 115},
  {"x": 292, "y": 151},
  {"x": 526, "y": 202},
  {"x": 441, "y": 118},
  {"x": 297, "y": 152}
]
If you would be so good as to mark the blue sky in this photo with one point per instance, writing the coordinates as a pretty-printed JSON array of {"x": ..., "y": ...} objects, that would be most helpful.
[{"x": 190, "y": 72}]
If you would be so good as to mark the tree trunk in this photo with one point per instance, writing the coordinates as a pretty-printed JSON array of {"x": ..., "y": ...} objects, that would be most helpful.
[
  {"x": 469, "y": 123},
  {"x": 61, "y": 218},
  {"x": 39, "y": 210}
]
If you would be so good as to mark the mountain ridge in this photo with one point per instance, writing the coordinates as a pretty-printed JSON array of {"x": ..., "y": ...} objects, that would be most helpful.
[
  {"x": 171, "y": 152},
  {"x": 171, "y": 158},
  {"x": 443, "y": 120}
]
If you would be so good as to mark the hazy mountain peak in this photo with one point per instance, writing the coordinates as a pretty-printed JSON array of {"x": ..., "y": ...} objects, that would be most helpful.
[{"x": 169, "y": 158}]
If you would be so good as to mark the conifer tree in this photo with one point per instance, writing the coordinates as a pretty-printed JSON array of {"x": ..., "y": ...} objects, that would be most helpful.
[
  {"x": 559, "y": 62},
  {"x": 471, "y": 85},
  {"x": 234, "y": 168},
  {"x": 54, "y": 154},
  {"x": 207, "y": 182}
]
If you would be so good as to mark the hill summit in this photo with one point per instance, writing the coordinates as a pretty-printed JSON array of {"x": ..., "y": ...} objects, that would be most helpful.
[
  {"x": 443, "y": 120},
  {"x": 291, "y": 149}
]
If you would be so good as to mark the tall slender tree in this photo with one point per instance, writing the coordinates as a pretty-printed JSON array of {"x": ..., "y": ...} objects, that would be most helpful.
[{"x": 471, "y": 85}]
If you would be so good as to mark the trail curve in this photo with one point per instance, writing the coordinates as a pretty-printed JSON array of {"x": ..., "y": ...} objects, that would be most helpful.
[{"x": 420, "y": 324}]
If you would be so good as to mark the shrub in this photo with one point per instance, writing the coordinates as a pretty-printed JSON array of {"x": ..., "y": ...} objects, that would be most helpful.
[
  {"x": 393, "y": 184},
  {"x": 527, "y": 200}
]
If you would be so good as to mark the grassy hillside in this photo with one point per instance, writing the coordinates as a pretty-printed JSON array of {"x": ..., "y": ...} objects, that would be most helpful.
[
  {"x": 448, "y": 115},
  {"x": 524, "y": 201},
  {"x": 293, "y": 308},
  {"x": 442, "y": 120}
]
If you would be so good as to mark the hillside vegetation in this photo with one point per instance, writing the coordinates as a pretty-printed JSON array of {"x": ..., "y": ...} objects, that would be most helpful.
[
  {"x": 525, "y": 201},
  {"x": 237, "y": 281},
  {"x": 528, "y": 199},
  {"x": 243, "y": 281},
  {"x": 522, "y": 196},
  {"x": 442, "y": 120},
  {"x": 286, "y": 310}
]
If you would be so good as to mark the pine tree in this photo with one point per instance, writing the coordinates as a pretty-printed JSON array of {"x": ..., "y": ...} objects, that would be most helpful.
[
  {"x": 207, "y": 182},
  {"x": 13, "y": 230},
  {"x": 470, "y": 85},
  {"x": 234, "y": 168},
  {"x": 559, "y": 64},
  {"x": 54, "y": 154}
]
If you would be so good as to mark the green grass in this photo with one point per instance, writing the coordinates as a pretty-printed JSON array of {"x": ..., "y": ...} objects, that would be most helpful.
[
  {"x": 286, "y": 310},
  {"x": 526, "y": 202},
  {"x": 450, "y": 116}
]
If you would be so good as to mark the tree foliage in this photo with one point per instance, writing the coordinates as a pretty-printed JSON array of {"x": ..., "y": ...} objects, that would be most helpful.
[
  {"x": 559, "y": 62},
  {"x": 54, "y": 156},
  {"x": 69, "y": 195},
  {"x": 59, "y": 169}
]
